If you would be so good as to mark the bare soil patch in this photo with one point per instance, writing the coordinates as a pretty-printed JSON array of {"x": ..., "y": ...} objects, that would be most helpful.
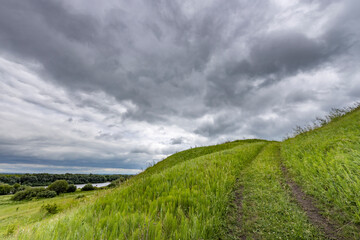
[{"x": 307, "y": 203}]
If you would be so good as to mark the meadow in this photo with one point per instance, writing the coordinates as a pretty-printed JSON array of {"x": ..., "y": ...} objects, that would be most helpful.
[
  {"x": 14, "y": 214},
  {"x": 235, "y": 190}
]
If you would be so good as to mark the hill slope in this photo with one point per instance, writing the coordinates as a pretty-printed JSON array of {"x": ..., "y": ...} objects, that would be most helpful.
[
  {"x": 326, "y": 163},
  {"x": 307, "y": 187}
]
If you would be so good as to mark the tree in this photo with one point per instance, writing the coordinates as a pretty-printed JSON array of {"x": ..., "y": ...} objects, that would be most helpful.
[
  {"x": 59, "y": 186},
  {"x": 28, "y": 179}
]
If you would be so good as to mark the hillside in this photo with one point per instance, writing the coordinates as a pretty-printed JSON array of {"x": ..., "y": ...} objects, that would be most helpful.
[{"x": 307, "y": 187}]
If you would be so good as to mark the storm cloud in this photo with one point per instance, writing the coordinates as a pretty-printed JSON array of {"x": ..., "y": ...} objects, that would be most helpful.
[{"x": 114, "y": 86}]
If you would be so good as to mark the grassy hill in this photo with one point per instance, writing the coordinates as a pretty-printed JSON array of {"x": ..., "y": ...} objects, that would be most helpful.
[{"x": 307, "y": 187}]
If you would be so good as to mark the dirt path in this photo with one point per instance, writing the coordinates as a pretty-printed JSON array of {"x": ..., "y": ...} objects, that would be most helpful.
[
  {"x": 307, "y": 204},
  {"x": 238, "y": 202}
]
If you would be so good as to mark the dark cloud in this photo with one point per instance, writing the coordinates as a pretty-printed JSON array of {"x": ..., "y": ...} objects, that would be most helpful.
[
  {"x": 272, "y": 57},
  {"x": 282, "y": 53},
  {"x": 126, "y": 79},
  {"x": 123, "y": 55}
]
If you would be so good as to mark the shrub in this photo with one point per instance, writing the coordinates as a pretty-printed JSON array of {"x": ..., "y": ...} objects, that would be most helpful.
[
  {"x": 59, "y": 186},
  {"x": 116, "y": 182},
  {"x": 16, "y": 188},
  {"x": 71, "y": 188},
  {"x": 50, "y": 208},
  {"x": 46, "y": 194},
  {"x": 5, "y": 189},
  {"x": 112, "y": 184},
  {"x": 19, "y": 196},
  {"x": 88, "y": 187},
  {"x": 27, "y": 194},
  {"x": 80, "y": 196},
  {"x": 11, "y": 229},
  {"x": 20, "y": 188}
]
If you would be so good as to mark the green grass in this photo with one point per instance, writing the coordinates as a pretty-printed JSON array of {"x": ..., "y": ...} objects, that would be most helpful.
[
  {"x": 193, "y": 153},
  {"x": 186, "y": 201},
  {"x": 15, "y": 214},
  {"x": 326, "y": 163}
]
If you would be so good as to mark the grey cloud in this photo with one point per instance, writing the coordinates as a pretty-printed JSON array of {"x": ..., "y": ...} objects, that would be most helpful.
[
  {"x": 301, "y": 96},
  {"x": 115, "y": 72},
  {"x": 25, "y": 33},
  {"x": 220, "y": 124},
  {"x": 282, "y": 53},
  {"x": 79, "y": 51},
  {"x": 108, "y": 136},
  {"x": 119, "y": 54},
  {"x": 271, "y": 58},
  {"x": 176, "y": 141}
]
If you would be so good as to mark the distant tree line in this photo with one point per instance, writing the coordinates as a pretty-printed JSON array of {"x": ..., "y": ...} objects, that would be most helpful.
[
  {"x": 24, "y": 192},
  {"x": 44, "y": 179}
]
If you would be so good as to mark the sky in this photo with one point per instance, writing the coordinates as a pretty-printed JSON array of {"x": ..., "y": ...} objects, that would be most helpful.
[{"x": 115, "y": 86}]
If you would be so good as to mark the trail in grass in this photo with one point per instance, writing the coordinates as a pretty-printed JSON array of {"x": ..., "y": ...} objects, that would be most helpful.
[
  {"x": 307, "y": 204},
  {"x": 235, "y": 220},
  {"x": 267, "y": 208}
]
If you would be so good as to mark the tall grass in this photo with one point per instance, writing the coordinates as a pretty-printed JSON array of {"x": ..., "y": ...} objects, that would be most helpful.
[
  {"x": 15, "y": 214},
  {"x": 193, "y": 153},
  {"x": 334, "y": 115},
  {"x": 187, "y": 201},
  {"x": 326, "y": 163}
]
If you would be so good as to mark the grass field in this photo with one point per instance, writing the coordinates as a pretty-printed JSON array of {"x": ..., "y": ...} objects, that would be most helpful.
[
  {"x": 235, "y": 190},
  {"x": 15, "y": 214}
]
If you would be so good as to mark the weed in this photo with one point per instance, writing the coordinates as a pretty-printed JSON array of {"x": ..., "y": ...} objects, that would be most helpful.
[
  {"x": 11, "y": 229},
  {"x": 80, "y": 196},
  {"x": 50, "y": 208}
]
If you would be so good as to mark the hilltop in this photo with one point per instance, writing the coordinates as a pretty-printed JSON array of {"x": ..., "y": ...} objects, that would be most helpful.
[{"x": 306, "y": 187}]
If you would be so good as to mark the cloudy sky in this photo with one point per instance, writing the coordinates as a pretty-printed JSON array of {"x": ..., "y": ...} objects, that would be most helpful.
[{"x": 113, "y": 86}]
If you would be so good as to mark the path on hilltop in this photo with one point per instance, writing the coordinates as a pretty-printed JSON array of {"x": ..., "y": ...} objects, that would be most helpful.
[{"x": 269, "y": 205}]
